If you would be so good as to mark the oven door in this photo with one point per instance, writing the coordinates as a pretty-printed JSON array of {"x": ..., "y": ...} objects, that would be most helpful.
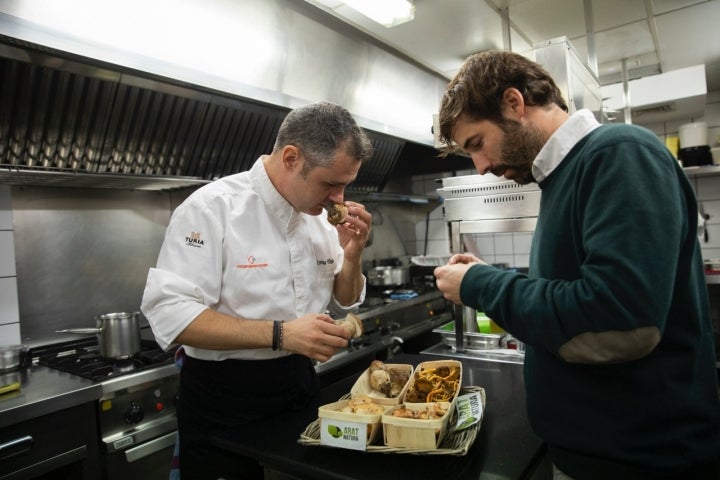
[
  {"x": 149, "y": 460},
  {"x": 143, "y": 452}
]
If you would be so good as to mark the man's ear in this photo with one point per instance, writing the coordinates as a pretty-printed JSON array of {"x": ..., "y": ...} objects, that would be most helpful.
[
  {"x": 291, "y": 157},
  {"x": 513, "y": 105}
]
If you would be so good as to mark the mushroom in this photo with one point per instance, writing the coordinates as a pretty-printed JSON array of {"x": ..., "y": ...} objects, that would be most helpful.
[
  {"x": 336, "y": 213},
  {"x": 352, "y": 324}
]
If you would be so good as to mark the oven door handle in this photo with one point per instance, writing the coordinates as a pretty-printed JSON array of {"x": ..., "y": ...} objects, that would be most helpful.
[
  {"x": 150, "y": 447},
  {"x": 16, "y": 446}
]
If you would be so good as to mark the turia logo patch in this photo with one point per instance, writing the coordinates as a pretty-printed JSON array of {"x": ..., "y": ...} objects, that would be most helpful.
[{"x": 194, "y": 240}]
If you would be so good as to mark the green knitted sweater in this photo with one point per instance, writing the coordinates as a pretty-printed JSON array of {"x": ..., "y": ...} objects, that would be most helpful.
[{"x": 615, "y": 249}]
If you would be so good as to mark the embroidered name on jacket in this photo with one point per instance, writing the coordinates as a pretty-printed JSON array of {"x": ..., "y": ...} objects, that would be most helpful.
[
  {"x": 251, "y": 263},
  {"x": 194, "y": 240}
]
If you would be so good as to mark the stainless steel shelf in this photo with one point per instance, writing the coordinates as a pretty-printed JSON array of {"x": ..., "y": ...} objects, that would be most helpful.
[
  {"x": 490, "y": 355},
  {"x": 96, "y": 180},
  {"x": 502, "y": 225},
  {"x": 703, "y": 171}
]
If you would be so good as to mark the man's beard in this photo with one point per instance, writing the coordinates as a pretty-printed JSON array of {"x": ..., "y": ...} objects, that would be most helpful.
[{"x": 520, "y": 147}]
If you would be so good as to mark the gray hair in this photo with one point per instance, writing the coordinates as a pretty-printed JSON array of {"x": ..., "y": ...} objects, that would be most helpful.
[{"x": 320, "y": 130}]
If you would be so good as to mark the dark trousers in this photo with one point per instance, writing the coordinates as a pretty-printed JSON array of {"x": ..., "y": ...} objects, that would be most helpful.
[{"x": 215, "y": 396}]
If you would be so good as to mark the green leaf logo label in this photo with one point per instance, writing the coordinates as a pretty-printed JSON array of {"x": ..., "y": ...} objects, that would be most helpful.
[
  {"x": 334, "y": 431},
  {"x": 468, "y": 421}
]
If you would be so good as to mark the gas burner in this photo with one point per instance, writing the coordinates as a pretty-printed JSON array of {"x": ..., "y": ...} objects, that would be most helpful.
[
  {"x": 125, "y": 365},
  {"x": 401, "y": 294}
]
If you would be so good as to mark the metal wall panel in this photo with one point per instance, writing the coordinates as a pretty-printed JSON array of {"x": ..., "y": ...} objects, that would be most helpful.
[{"x": 83, "y": 252}]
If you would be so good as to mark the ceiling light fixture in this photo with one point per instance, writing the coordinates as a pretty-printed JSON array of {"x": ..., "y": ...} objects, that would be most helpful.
[{"x": 385, "y": 12}]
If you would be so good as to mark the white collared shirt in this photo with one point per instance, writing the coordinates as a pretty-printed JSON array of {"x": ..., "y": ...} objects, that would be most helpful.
[
  {"x": 238, "y": 247},
  {"x": 562, "y": 141}
]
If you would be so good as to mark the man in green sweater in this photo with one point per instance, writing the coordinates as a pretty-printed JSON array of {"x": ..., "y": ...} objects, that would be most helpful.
[{"x": 620, "y": 367}]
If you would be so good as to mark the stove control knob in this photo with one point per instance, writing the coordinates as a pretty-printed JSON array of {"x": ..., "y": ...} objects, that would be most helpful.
[{"x": 134, "y": 413}]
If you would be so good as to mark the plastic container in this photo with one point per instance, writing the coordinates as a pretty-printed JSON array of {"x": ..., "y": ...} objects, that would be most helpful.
[
  {"x": 693, "y": 134},
  {"x": 695, "y": 156},
  {"x": 715, "y": 153},
  {"x": 487, "y": 325}
]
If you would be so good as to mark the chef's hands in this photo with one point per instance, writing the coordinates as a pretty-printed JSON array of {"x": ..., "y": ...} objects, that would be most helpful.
[
  {"x": 354, "y": 233},
  {"x": 315, "y": 336},
  {"x": 450, "y": 276}
]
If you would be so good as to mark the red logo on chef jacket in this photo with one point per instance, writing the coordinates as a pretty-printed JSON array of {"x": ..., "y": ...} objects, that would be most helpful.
[
  {"x": 194, "y": 240},
  {"x": 251, "y": 263}
]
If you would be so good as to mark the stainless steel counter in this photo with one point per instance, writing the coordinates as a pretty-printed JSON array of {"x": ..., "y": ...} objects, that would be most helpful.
[
  {"x": 496, "y": 355},
  {"x": 43, "y": 391}
]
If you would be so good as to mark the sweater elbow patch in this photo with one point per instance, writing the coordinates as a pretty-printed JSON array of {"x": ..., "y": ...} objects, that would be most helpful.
[{"x": 610, "y": 347}]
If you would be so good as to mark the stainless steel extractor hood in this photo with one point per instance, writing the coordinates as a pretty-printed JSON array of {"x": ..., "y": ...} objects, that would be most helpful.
[
  {"x": 78, "y": 111},
  {"x": 68, "y": 123}
]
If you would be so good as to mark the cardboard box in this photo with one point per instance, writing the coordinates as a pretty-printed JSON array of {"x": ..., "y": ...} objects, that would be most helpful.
[
  {"x": 402, "y": 432},
  {"x": 362, "y": 385}
]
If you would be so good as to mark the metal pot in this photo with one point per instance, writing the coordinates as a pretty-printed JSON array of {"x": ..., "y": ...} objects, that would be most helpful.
[
  {"x": 118, "y": 334},
  {"x": 388, "y": 276},
  {"x": 12, "y": 356}
]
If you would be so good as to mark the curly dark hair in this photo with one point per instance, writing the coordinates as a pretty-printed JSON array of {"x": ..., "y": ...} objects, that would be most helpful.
[{"x": 477, "y": 90}]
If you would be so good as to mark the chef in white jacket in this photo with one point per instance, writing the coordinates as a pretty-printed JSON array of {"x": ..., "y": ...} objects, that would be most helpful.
[{"x": 247, "y": 270}]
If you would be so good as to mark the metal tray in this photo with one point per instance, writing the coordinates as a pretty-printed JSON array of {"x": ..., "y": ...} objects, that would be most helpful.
[{"x": 471, "y": 340}]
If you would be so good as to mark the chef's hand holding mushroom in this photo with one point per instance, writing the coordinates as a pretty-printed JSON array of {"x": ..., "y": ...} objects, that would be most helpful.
[
  {"x": 318, "y": 336},
  {"x": 353, "y": 235},
  {"x": 354, "y": 228}
]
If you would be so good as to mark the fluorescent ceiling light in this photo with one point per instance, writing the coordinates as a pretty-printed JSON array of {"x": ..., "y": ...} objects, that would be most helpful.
[{"x": 386, "y": 12}]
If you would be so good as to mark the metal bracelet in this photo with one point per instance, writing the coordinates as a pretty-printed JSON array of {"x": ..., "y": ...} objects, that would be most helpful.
[{"x": 280, "y": 336}]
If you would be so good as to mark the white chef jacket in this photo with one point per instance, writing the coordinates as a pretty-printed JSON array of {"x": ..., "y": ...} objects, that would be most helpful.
[{"x": 238, "y": 247}]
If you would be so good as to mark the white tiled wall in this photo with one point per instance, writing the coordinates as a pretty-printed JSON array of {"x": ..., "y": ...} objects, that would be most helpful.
[
  {"x": 9, "y": 313},
  {"x": 431, "y": 235},
  {"x": 438, "y": 238},
  {"x": 708, "y": 195}
]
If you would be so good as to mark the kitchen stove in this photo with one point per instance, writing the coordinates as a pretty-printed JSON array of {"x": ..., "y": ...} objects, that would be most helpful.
[
  {"x": 137, "y": 410},
  {"x": 82, "y": 358}
]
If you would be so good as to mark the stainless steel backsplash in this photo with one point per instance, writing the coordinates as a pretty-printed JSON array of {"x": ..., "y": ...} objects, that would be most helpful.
[{"x": 83, "y": 252}]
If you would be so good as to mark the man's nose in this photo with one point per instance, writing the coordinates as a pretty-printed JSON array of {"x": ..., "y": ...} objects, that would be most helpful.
[
  {"x": 482, "y": 165},
  {"x": 337, "y": 197}
]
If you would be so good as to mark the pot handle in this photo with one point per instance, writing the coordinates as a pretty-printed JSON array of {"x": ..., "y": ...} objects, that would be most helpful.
[{"x": 80, "y": 330}]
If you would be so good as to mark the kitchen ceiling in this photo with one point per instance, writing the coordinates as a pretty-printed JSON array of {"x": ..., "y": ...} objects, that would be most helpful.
[{"x": 652, "y": 36}]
